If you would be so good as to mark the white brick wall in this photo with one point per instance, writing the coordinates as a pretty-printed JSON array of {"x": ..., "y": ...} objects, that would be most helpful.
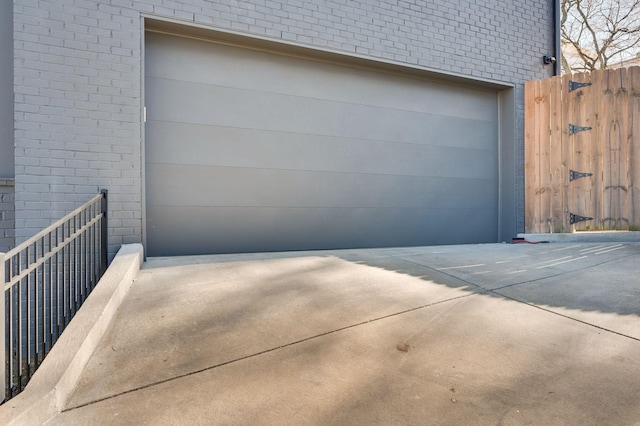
[
  {"x": 6, "y": 215},
  {"x": 78, "y": 77}
]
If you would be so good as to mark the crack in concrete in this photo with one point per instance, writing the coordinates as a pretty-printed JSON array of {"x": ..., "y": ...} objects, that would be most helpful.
[{"x": 306, "y": 339}]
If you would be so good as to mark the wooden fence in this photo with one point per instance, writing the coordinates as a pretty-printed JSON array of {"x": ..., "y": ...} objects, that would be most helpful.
[{"x": 582, "y": 152}]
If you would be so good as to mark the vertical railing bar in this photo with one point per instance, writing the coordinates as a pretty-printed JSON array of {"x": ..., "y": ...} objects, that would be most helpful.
[
  {"x": 24, "y": 350},
  {"x": 49, "y": 305},
  {"x": 88, "y": 253},
  {"x": 4, "y": 311},
  {"x": 24, "y": 336},
  {"x": 46, "y": 298},
  {"x": 6, "y": 341},
  {"x": 78, "y": 240},
  {"x": 76, "y": 269},
  {"x": 16, "y": 344},
  {"x": 72, "y": 272},
  {"x": 90, "y": 264},
  {"x": 85, "y": 275},
  {"x": 96, "y": 256},
  {"x": 7, "y": 349},
  {"x": 6, "y": 276},
  {"x": 55, "y": 286},
  {"x": 11, "y": 337},
  {"x": 103, "y": 239},
  {"x": 33, "y": 322},
  {"x": 40, "y": 283},
  {"x": 59, "y": 287},
  {"x": 76, "y": 261},
  {"x": 90, "y": 250},
  {"x": 30, "y": 312},
  {"x": 67, "y": 280},
  {"x": 83, "y": 253},
  {"x": 36, "y": 308},
  {"x": 65, "y": 277},
  {"x": 83, "y": 258},
  {"x": 24, "y": 302},
  {"x": 20, "y": 313},
  {"x": 96, "y": 252}
]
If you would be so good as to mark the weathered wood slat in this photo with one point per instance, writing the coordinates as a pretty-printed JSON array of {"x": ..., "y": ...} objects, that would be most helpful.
[
  {"x": 610, "y": 133},
  {"x": 545, "y": 155},
  {"x": 557, "y": 167},
  {"x": 530, "y": 156},
  {"x": 625, "y": 141},
  {"x": 581, "y": 101},
  {"x": 566, "y": 153},
  {"x": 634, "y": 149}
]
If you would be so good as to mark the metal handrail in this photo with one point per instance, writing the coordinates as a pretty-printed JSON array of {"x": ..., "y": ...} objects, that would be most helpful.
[{"x": 45, "y": 281}]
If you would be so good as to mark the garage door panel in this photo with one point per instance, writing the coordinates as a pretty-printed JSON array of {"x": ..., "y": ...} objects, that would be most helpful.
[
  {"x": 179, "y": 143},
  {"x": 178, "y": 185},
  {"x": 251, "y": 150},
  {"x": 221, "y": 65},
  {"x": 271, "y": 229},
  {"x": 272, "y": 112}
]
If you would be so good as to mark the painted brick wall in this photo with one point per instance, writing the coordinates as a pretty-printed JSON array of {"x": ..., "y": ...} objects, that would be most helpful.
[
  {"x": 6, "y": 215},
  {"x": 78, "y": 77}
]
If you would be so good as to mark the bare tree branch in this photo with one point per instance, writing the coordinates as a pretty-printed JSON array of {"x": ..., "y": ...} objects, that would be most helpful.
[{"x": 597, "y": 34}]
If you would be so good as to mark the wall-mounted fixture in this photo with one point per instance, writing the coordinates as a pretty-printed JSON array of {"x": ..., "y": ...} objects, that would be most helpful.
[{"x": 547, "y": 59}]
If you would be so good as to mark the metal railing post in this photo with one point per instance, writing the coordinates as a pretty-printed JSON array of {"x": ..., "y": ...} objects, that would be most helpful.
[
  {"x": 104, "y": 228},
  {"x": 3, "y": 347}
]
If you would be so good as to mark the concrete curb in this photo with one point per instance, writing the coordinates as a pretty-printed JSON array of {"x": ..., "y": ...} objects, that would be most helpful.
[
  {"x": 51, "y": 386},
  {"x": 586, "y": 237}
]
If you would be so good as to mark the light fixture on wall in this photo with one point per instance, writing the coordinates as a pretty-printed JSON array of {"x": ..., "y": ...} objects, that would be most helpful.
[{"x": 548, "y": 59}]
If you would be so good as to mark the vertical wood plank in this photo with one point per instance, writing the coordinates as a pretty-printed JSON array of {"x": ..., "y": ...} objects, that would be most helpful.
[
  {"x": 531, "y": 155},
  {"x": 582, "y": 189},
  {"x": 600, "y": 134},
  {"x": 545, "y": 156},
  {"x": 557, "y": 163},
  {"x": 566, "y": 150},
  {"x": 634, "y": 148},
  {"x": 611, "y": 152},
  {"x": 622, "y": 114}
]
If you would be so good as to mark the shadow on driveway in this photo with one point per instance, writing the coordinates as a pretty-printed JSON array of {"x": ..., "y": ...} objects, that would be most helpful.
[{"x": 482, "y": 334}]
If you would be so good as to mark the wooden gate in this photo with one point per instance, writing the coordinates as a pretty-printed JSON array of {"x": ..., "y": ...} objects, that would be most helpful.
[{"x": 582, "y": 152}]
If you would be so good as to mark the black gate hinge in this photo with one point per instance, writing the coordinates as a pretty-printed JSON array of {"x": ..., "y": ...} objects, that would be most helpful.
[
  {"x": 573, "y": 175},
  {"x": 573, "y": 129},
  {"x": 575, "y": 218},
  {"x": 574, "y": 85}
]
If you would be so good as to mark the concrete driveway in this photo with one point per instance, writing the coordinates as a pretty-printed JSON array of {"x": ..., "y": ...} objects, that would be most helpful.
[{"x": 481, "y": 334}]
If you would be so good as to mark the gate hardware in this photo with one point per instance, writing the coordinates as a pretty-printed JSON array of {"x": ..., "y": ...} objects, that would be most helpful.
[
  {"x": 573, "y": 175},
  {"x": 575, "y": 218},
  {"x": 574, "y": 85},
  {"x": 575, "y": 129}
]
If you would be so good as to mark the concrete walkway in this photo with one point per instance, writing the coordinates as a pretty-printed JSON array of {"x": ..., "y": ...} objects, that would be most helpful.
[{"x": 482, "y": 334}]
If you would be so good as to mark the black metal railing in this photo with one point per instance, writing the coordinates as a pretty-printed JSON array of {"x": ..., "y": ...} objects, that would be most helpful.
[{"x": 46, "y": 280}]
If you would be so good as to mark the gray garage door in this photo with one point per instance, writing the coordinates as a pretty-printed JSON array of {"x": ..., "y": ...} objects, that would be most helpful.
[{"x": 248, "y": 150}]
